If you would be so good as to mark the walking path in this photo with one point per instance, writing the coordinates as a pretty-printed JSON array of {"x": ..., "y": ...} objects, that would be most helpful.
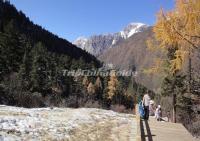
[{"x": 164, "y": 131}]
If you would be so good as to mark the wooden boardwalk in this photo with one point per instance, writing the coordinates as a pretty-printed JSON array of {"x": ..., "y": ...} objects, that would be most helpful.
[{"x": 164, "y": 131}]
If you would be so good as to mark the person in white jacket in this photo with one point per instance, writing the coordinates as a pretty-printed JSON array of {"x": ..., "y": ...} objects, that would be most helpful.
[
  {"x": 146, "y": 103},
  {"x": 158, "y": 113}
]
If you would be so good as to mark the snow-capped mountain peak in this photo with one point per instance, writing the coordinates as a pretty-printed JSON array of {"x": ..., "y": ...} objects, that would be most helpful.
[
  {"x": 131, "y": 29},
  {"x": 97, "y": 44},
  {"x": 80, "y": 41}
]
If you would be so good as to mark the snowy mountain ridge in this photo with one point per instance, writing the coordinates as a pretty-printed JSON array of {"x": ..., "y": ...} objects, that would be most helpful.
[{"x": 98, "y": 44}]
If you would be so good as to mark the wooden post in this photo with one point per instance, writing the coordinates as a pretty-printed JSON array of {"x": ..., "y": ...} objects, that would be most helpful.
[
  {"x": 174, "y": 108},
  {"x": 138, "y": 132}
]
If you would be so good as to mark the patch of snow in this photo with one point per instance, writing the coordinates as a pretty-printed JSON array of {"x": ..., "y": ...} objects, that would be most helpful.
[
  {"x": 114, "y": 42},
  {"x": 136, "y": 29},
  {"x": 123, "y": 35}
]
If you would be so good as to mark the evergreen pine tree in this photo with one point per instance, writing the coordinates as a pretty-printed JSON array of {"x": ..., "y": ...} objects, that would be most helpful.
[
  {"x": 39, "y": 68},
  {"x": 98, "y": 88}
]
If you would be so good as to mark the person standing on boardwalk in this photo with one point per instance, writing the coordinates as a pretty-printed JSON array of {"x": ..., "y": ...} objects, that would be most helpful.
[
  {"x": 158, "y": 113},
  {"x": 151, "y": 108},
  {"x": 146, "y": 103}
]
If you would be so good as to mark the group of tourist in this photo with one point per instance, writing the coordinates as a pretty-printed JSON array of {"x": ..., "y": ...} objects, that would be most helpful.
[{"x": 150, "y": 109}]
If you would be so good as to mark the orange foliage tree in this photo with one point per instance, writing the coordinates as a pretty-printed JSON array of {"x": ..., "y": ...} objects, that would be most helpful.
[{"x": 179, "y": 30}]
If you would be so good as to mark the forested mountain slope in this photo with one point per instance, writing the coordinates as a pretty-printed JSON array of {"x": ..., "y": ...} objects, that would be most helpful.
[
  {"x": 15, "y": 21},
  {"x": 32, "y": 60}
]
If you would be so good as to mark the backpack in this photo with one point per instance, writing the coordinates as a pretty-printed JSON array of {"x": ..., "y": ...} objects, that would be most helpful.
[{"x": 141, "y": 110}]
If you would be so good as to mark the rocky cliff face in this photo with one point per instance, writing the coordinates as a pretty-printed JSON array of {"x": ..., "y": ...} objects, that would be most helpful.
[{"x": 98, "y": 44}]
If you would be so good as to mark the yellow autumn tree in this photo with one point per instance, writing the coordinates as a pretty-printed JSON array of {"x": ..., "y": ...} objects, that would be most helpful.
[
  {"x": 85, "y": 81},
  {"x": 112, "y": 85},
  {"x": 179, "y": 28},
  {"x": 160, "y": 64},
  {"x": 91, "y": 88},
  {"x": 98, "y": 83}
]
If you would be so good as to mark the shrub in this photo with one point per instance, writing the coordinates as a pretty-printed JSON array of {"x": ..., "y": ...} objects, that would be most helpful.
[{"x": 118, "y": 108}]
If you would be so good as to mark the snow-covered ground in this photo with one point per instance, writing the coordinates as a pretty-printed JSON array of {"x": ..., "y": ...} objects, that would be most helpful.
[{"x": 65, "y": 124}]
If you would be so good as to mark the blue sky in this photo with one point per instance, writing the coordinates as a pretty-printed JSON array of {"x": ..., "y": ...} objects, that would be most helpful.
[{"x": 70, "y": 19}]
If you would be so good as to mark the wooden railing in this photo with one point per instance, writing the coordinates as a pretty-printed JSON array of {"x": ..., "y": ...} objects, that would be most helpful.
[{"x": 138, "y": 134}]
